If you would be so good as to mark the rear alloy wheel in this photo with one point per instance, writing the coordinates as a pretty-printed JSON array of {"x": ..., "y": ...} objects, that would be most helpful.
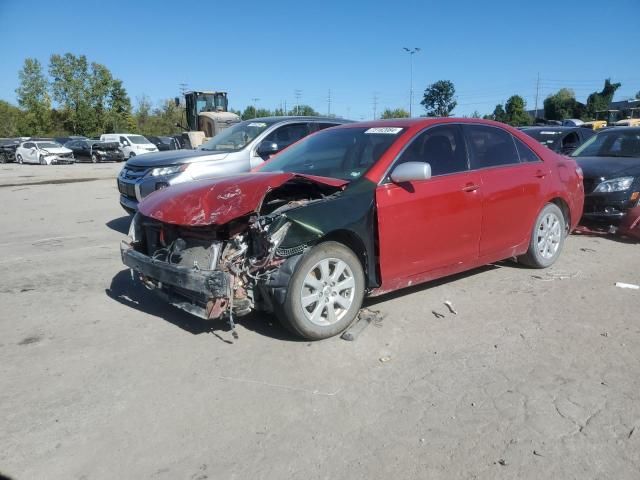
[
  {"x": 547, "y": 238},
  {"x": 94, "y": 158},
  {"x": 325, "y": 292},
  {"x": 19, "y": 159}
]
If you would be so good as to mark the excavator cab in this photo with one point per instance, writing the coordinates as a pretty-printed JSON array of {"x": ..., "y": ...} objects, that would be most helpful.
[{"x": 206, "y": 115}]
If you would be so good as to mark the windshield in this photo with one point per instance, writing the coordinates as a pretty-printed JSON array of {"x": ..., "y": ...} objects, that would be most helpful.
[
  {"x": 139, "y": 139},
  {"x": 49, "y": 145},
  {"x": 548, "y": 138},
  {"x": 234, "y": 139},
  {"x": 210, "y": 103},
  {"x": 345, "y": 153},
  {"x": 611, "y": 144}
]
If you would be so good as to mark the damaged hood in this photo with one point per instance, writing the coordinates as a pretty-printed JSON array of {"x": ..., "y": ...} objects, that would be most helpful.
[
  {"x": 218, "y": 201},
  {"x": 609, "y": 167},
  {"x": 173, "y": 157}
]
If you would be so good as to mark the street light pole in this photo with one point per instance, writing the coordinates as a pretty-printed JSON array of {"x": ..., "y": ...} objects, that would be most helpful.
[{"x": 411, "y": 52}]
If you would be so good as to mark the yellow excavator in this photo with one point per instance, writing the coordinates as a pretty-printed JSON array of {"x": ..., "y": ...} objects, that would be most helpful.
[
  {"x": 206, "y": 115},
  {"x": 603, "y": 119},
  {"x": 632, "y": 118}
]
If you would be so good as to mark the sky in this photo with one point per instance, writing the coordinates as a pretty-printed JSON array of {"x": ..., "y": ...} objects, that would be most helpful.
[{"x": 268, "y": 50}]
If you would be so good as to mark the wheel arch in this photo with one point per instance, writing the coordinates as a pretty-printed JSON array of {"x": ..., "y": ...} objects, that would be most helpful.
[
  {"x": 563, "y": 205},
  {"x": 352, "y": 241}
]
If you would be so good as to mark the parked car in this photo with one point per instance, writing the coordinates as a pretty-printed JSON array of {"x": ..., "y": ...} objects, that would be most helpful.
[
  {"x": 130, "y": 145},
  {"x": 45, "y": 152},
  {"x": 562, "y": 140},
  {"x": 70, "y": 138},
  {"x": 611, "y": 165},
  {"x": 360, "y": 209},
  {"x": 8, "y": 148},
  {"x": 164, "y": 143},
  {"x": 95, "y": 151},
  {"x": 236, "y": 149}
]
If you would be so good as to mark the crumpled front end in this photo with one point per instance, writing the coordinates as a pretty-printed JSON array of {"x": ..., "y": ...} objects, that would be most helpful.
[{"x": 215, "y": 271}]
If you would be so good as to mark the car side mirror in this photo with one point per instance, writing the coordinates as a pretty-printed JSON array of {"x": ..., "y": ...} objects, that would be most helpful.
[
  {"x": 411, "y": 172},
  {"x": 267, "y": 148}
]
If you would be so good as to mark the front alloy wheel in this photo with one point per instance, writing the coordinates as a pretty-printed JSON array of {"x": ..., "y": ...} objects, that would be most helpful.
[
  {"x": 547, "y": 238},
  {"x": 325, "y": 292},
  {"x": 94, "y": 158}
]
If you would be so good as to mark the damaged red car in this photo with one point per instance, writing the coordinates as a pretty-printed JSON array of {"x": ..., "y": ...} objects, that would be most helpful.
[{"x": 352, "y": 211}]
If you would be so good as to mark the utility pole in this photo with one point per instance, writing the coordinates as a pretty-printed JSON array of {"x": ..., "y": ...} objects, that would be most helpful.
[
  {"x": 411, "y": 52},
  {"x": 375, "y": 104},
  {"x": 255, "y": 109},
  {"x": 329, "y": 104},
  {"x": 285, "y": 108},
  {"x": 298, "y": 94},
  {"x": 183, "y": 88},
  {"x": 537, "y": 94}
]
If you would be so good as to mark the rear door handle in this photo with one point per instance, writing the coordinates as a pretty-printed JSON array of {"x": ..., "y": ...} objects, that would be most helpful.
[
  {"x": 470, "y": 187},
  {"x": 541, "y": 174}
]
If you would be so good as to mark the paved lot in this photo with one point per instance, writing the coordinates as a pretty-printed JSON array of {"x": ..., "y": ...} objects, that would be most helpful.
[{"x": 538, "y": 376}]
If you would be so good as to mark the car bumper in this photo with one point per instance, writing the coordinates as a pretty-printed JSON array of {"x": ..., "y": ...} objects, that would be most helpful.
[
  {"x": 132, "y": 191},
  {"x": 180, "y": 286},
  {"x": 630, "y": 224},
  {"x": 609, "y": 208}
]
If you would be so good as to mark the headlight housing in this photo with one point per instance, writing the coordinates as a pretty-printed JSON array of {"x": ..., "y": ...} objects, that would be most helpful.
[
  {"x": 615, "y": 185},
  {"x": 164, "y": 171}
]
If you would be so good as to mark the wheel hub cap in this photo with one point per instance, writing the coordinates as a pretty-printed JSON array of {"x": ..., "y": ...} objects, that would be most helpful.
[{"x": 327, "y": 292}]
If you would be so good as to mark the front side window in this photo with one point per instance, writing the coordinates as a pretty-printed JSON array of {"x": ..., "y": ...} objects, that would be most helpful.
[
  {"x": 345, "y": 153},
  {"x": 442, "y": 147},
  {"x": 288, "y": 134},
  {"x": 138, "y": 139},
  {"x": 492, "y": 146},
  {"x": 28, "y": 145}
]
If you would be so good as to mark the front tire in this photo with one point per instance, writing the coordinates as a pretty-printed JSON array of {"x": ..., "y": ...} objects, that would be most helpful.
[
  {"x": 19, "y": 159},
  {"x": 42, "y": 160},
  {"x": 547, "y": 238},
  {"x": 325, "y": 292},
  {"x": 94, "y": 158}
]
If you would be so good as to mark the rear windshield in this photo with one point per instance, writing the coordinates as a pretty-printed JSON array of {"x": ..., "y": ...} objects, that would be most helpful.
[
  {"x": 548, "y": 138},
  {"x": 344, "y": 153}
]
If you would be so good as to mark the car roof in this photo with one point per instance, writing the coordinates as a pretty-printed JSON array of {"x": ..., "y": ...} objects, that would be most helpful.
[
  {"x": 555, "y": 128},
  {"x": 294, "y": 117},
  {"x": 422, "y": 122}
]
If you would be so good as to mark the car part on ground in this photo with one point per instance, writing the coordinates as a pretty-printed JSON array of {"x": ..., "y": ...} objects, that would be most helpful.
[
  {"x": 323, "y": 223},
  {"x": 236, "y": 150}
]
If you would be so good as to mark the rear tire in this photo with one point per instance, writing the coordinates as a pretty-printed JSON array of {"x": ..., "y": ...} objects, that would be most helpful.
[
  {"x": 325, "y": 292},
  {"x": 547, "y": 238},
  {"x": 42, "y": 160},
  {"x": 19, "y": 159}
]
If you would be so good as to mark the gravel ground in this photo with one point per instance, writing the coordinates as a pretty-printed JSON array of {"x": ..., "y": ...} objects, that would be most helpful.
[{"x": 537, "y": 376}]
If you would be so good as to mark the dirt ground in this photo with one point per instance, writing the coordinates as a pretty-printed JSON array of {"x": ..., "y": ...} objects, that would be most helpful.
[{"x": 537, "y": 376}]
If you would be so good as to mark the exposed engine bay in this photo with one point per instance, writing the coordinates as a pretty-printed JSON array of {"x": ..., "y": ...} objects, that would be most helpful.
[{"x": 217, "y": 271}]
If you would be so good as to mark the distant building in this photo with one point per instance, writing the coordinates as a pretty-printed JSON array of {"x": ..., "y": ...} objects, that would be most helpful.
[{"x": 619, "y": 105}]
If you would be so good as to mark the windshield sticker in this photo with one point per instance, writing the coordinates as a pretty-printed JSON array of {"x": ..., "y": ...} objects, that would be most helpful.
[
  {"x": 257, "y": 124},
  {"x": 385, "y": 130}
]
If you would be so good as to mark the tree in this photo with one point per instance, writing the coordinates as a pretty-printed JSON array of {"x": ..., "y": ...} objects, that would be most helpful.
[
  {"x": 9, "y": 119},
  {"x": 475, "y": 114},
  {"x": 118, "y": 109},
  {"x": 515, "y": 110},
  {"x": 563, "y": 104},
  {"x": 71, "y": 89},
  {"x": 600, "y": 100},
  {"x": 395, "y": 113},
  {"x": 305, "y": 110},
  {"x": 638, "y": 95},
  {"x": 33, "y": 99},
  {"x": 499, "y": 115},
  {"x": 143, "y": 114},
  {"x": 439, "y": 99}
]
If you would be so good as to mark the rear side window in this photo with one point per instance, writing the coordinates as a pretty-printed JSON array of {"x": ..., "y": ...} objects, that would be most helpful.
[
  {"x": 442, "y": 147},
  {"x": 491, "y": 146},
  {"x": 526, "y": 154}
]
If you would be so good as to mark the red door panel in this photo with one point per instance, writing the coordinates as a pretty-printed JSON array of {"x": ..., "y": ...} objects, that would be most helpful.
[
  {"x": 428, "y": 225},
  {"x": 512, "y": 197}
]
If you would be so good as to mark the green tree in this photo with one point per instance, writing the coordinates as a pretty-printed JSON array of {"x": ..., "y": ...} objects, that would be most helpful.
[
  {"x": 439, "y": 99},
  {"x": 515, "y": 110},
  {"x": 9, "y": 119},
  {"x": 600, "y": 100},
  {"x": 119, "y": 110},
  {"x": 34, "y": 99},
  {"x": 563, "y": 104},
  {"x": 70, "y": 86},
  {"x": 475, "y": 114},
  {"x": 395, "y": 113},
  {"x": 248, "y": 113},
  {"x": 304, "y": 110},
  {"x": 100, "y": 81},
  {"x": 499, "y": 115},
  {"x": 144, "y": 123}
]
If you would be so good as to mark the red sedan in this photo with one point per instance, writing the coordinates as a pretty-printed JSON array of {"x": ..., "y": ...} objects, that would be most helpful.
[{"x": 360, "y": 209}]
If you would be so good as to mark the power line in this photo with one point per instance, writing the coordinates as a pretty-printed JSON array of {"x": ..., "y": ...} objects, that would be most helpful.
[{"x": 298, "y": 94}]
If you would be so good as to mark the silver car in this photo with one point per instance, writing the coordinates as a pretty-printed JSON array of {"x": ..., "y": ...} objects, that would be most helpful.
[{"x": 235, "y": 150}]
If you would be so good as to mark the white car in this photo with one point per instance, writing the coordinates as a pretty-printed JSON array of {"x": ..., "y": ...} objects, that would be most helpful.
[
  {"x": 130, "y": 145},
  {"x": 44, "y": 152}
]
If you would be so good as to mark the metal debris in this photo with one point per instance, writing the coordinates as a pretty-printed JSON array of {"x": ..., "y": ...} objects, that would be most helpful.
[
  {"x": 436, "y": 314},
  {"x": 450, "y": 307},
  {"x": 384, "y": 359},
  {"x": 627, "y": 285},
  {"x": 366, "y": 317},
  {"x": 537, "y": 454},
  {"x": 502, "y": 462},
  {"x": 550, "y": 277}
]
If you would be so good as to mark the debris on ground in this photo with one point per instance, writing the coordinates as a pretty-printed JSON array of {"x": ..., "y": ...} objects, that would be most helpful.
[
  {"x": 604, "y": 334},
  {"x": 537, "y": 454},
  {"x": 366, "y": 317},
  {"x": 550, "y": 277},
  {"x": 450, "y": 307},
  {"x": 627, "y": 285},
  {"x": 437, "y": 314},
  {"x": 502, "y": 462},
  {"x": 585, "y": 249},
  {"x": 384, "y": 359}
]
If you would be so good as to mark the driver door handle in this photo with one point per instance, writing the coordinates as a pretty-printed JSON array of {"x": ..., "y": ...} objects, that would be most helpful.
[{"x": 470, "y": 187}]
